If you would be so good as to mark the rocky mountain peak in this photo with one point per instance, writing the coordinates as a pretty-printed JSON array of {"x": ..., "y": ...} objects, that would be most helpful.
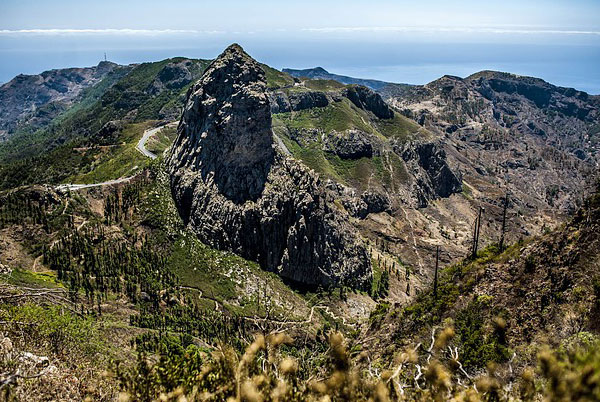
[
  {"x": 238, "y": 193},
  {"x": 227, "y": 127}
]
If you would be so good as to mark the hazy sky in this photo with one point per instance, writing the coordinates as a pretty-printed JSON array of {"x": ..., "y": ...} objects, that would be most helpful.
[
  {"x": 396, "y": 40},
  {"x": 270, "y": 15}
]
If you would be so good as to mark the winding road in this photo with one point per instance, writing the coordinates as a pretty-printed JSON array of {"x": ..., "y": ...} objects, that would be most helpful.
[
  {"x": 141, "y": 146},
  {"x": 73, "y": 187}
]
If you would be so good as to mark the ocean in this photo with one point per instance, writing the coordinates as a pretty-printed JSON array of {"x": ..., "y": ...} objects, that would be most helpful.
[{"x": 563, "y": 64}]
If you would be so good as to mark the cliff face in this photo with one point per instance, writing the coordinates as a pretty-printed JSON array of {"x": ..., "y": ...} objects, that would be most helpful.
[
  {"x": 519, "y": 131},
  {"x": 225, "y": 131},
  {"x": 239, "y": 193},
  {"x": 433, "y": 178}
]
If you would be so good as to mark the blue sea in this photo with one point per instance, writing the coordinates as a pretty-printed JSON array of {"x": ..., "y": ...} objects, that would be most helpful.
[{"x": 566, "y": 64}]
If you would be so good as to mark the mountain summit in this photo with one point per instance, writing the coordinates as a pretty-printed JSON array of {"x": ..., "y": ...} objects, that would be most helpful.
[
  {"x": 239, "y": 193},
  {"x": 229, "y": 115}
]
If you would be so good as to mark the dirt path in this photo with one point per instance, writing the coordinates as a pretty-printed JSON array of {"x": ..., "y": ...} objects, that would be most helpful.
[
  {"x": 74, "y": 187},
  {"x": 35, "y": 263},
  {"x": 141, "y": 145},
  {"x": 282, "y": 145},
  {"x": 275, "y": 321}
]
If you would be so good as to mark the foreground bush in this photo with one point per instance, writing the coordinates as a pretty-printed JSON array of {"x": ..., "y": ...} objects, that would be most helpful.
[{"x": 266, "y": 372}]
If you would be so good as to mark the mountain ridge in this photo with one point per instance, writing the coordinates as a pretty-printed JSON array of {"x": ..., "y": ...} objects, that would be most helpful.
[
  {"x": 300, "y": 239},
  {"x": 226, "y": 177},
  {"x": 51, "y": 91},
  {"x": 321, "y": 74}
]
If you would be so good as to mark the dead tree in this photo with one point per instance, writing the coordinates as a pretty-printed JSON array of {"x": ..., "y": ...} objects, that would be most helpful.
[
  {"x": 503, "y": 223},
  {"x": 435, "y": 278},
  {"x": 476, "y": 231}
]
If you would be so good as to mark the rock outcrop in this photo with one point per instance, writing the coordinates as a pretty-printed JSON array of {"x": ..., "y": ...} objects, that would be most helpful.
[
  {"x": 352, "y": 144},
  {"x": 367, "y": 99},
  {"x": 282, "y": 102},
  {"x": 428, "y": 164},
  {"x": 362, "y": 97},
  {"x": 238, "y": 193},
  {"x": 518, "y": 132},
  {"x": 173, "y": 76}
]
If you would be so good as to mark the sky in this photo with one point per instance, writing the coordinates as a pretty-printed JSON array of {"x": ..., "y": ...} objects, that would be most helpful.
[{"x": 399, "y": 41}]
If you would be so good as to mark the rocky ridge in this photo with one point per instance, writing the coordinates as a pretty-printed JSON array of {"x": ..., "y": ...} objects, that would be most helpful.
[
  {"x": 429, "y": 177},
  {"x": 319, "y": 73},
  {"x": 238, "y": 192},
  {"x": 521, "y": 130},
  {"x": 43, "y": 96},
  {"x": 428, "y": 164},
  {"x": 480, "y": 138}
]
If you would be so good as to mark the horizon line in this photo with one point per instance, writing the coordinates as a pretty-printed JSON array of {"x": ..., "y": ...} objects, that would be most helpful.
[{"x": 341, "y": 29}]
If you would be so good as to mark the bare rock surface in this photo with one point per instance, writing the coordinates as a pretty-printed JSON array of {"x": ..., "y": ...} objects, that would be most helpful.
[
  {"x": 238, "y": 193},
  {"x": 43, "y": 96},
  {"x": 433, "y": 177}
]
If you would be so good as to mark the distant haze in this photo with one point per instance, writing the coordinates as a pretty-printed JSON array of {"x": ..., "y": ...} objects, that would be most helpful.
[{"x": 397, "y": 41}]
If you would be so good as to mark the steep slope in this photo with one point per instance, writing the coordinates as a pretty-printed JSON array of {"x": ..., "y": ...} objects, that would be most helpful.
[
  {"x": 538, "y": 140},
  {"x": 391, "y": 175},
  {"x": 408, "y": 184},
  {"x": 239, "y": 193},
  {"x": 100, "y": 125},
  {"x": 543, "y": 291},
  {"x": 37, "y": 99},
  {"x": 148, "y": 91},
  {"x": 347, "y": 133}
]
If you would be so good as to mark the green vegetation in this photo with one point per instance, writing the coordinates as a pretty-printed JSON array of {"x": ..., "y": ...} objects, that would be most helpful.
[
  {"x": 323, "y": 85},
  {"x": 71, "y": 346},
  {"x": 337, "y": 116},
  {"x": 297, "y": 131},
  {"x": 277, "y": 79},
  {"x": 24, "y": 277},
  {"x": 162, "y": 140},
  {"x": 399, "y": 127},
  {"x": 201, "y": 267},
  {"x": 129, "y": 283},
  {"x": 179, "y": 364},
  {"x": 265, "y": 371},
  {"x": 455, "y": 280},
  {"x": 381, "y": 281},
  {"x": 52, "y": 167},
  {"x": 49, "y": 155},
  {"x": 119, "y": 161},
  {"x": 62, "y": 330},
  {"x": 479, "y": 346}
]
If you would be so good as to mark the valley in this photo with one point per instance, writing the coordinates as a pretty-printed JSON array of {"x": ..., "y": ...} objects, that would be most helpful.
[{"x": 222, "y": 229}]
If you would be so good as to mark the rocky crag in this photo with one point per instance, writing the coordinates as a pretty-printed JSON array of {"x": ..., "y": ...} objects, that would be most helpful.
[
  {"x": 423, "y": 159},
  {"x": 538, "y": 140},
  {"x": 240, "y": 192}
]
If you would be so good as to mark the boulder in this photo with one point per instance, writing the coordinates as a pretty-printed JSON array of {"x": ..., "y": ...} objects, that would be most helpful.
[{"x": 351, "y": 144}]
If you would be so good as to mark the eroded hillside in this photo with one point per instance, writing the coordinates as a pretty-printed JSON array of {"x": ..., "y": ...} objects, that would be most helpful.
[{"x": 308, "y": 207}]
